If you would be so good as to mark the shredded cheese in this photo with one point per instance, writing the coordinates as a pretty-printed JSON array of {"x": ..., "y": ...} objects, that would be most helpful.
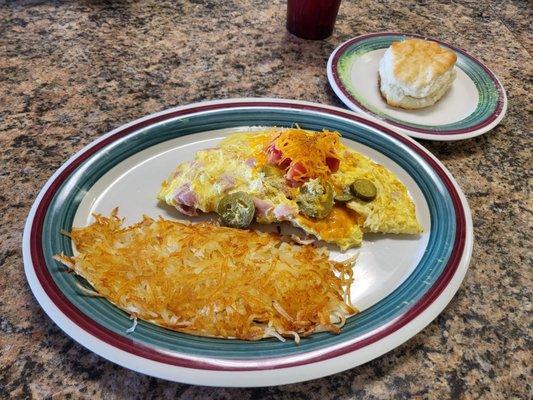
[{"x": 309, "y": 149}]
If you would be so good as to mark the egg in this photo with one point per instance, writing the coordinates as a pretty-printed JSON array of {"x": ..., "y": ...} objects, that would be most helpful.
[
  {"x": 289, "y": 173},
  {"x": 392, "y": 210}
]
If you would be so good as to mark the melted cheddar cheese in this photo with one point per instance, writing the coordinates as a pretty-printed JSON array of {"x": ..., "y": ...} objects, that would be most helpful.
[{"x": 341, "y": 226}]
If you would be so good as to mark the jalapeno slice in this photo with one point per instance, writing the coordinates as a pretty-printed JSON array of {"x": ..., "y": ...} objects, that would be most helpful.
[
  {"x": 364, "y": 189},
  {"x": 315, "y": 199},
  {"x": 236, "y": 209}
]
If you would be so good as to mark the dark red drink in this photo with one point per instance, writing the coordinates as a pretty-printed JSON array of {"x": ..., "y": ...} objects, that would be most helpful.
[{"x": 312, "y": 19}]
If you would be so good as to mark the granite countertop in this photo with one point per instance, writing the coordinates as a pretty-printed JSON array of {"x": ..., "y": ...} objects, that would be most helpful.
[{"x": 72, "y": 70}]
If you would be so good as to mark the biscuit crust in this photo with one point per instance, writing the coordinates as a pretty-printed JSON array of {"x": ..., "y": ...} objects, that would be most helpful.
[{"x": 417, "y": 62}]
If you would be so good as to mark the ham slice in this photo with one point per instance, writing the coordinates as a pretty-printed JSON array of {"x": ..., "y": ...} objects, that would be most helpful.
[
  {"x": 251, "y": 162},
  {"x": 285, "y": 211},
  {"x": 262, "y": 206},
  {"x": 226, "y": 182},
  {"x": 190, "y": 211},
  {"x": 186, "y": 200}
]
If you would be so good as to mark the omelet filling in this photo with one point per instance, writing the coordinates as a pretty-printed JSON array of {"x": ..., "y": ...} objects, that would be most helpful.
[{"x": 308, "y": 178}]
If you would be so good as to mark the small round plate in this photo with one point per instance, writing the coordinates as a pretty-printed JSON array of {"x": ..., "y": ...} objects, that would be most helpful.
[
  {"x": 401, "y": 282},
  {"x": 475, "y": 103}
]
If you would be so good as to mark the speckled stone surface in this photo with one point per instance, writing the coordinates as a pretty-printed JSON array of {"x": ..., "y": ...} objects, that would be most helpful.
[{"x": 72, "y": 70}]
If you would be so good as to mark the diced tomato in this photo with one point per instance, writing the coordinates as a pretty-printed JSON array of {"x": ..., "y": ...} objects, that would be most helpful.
[
  {"x": 333, "y": 163},
  {"x": 285, "y": 163}
]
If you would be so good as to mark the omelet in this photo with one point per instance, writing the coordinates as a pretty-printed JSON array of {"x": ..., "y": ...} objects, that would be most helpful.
[
  {"x": 392, "y": 210},
  {"x": 310, "y": 179}
]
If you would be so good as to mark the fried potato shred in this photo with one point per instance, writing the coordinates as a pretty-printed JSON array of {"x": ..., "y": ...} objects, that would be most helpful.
[{"x": 209, "y": 280}]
